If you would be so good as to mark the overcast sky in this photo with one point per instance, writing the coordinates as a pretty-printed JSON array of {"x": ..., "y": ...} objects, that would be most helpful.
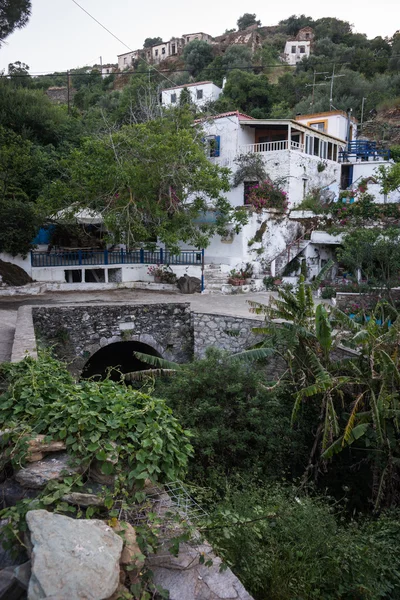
[{"x": 60, "y": 36}]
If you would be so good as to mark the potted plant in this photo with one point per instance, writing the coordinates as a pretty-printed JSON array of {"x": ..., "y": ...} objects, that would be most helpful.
[
  {"x": 162, "y": 274},
  {"x": 236, "y": 278}
]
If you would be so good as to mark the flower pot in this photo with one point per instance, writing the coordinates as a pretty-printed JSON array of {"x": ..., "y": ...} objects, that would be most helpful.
[{"x": 234, "y": 281}]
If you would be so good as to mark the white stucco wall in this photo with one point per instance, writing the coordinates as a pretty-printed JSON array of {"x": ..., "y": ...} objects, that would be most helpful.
[
  {"x": 210, "y": 91},
  {"x": 335, "y": 125},
  {"x": 363, "y": 169},
  {"x": 293, "y": 58},
  {"x": 126, "y": 60}
]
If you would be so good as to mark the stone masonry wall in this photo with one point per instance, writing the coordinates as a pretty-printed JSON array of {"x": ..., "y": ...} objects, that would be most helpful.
[
  {"x": 233, "y": 334},
  {"x": 77, "y": 332}
]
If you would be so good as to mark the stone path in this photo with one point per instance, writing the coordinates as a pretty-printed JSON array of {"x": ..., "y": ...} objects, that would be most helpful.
[{"x": 8, "y": 320}]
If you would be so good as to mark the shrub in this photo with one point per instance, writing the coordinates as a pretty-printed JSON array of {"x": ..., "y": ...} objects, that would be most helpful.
[
  {"x": 328, "y": 292},
  {"x": 295, "y": 547},
  {"x": 237, "y": 424},
  {"x": 267, "y": 195}
]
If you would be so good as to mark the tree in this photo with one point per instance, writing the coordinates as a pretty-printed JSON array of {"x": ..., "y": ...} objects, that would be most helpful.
[
  {"x": 332, "y": 28},
  {"x": 19, "y": 72},
  {"x": 292, "y": 24},
  {"x": 148, "y": 42},
  {"x": 249, "y": 92},
  {"x": 237, "y": 57},
  {"x": 197, "y": 55},
  {"x": 14, "y": 14},
  {"x": 247, "y": 20},
  {"x": 149, "y": 180}
]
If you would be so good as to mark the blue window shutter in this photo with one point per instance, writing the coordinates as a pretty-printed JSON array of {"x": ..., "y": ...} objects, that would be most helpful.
[{"x": 217, "y": 145}]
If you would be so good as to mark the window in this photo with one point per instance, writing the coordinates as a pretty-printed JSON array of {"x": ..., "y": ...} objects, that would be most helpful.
[
  {"x": 156, "y": 52},
  {"x": 188, "y": 38},
  {"x": 308, "y": 147},
  {"x": 302, "y": 49},
  {"x": 318, "y": 126},
  {"x": 125, "y": 60},
  {"x": 173, "y": 98},
  {"x": 293, "y": 49},
  {"x": 173, "y": 49},
  {"x": 163, "y": 51},
  {"x": 199, "y": 94},
  {"x": 213, "y": 146},
  {"x": 316, "y": 146},
  {"x": 247, "y": 189},
  {"x": 307, "y": 36}
]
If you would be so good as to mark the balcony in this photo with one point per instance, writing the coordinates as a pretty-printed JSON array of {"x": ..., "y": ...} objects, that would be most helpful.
[
  {"x": 363, "y": 150},
  {"x": 78, "y": 257},
  {"x": 272, "y": 147}
]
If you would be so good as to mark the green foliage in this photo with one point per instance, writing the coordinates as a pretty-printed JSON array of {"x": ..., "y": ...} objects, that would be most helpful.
[
  {"x": 284, "y": 545},
  {"x": 151, "y": 41},
  {"x": 149, "y": 180},
  {"x": 197, "y": 55},
  {"x": 249, "y": 92},
  {"x": 250, "y": 167},
  {"x": 96, "y": 420},
  {"x": 247, "y": 20},
  {"x": 236, "y": 57},
  {"x": 236, "y": 422},
  {"x": 375, "y": 252},
  {"x": 395, "y": 153},
  {"x": 14, "y": 14}
]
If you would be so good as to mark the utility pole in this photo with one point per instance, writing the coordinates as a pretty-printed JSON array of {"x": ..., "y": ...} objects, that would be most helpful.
[
  {"x": 68, "y": 93},
  {"x": 332, "y": 78},
  {"x": 362, "y": 114},
  {"x": 314, "y": 84}
]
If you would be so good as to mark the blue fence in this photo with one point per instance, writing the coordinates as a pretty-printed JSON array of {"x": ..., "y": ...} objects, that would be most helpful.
[
  {"x": 363, "y": 149},
  {"x": 74, "y": 258}
]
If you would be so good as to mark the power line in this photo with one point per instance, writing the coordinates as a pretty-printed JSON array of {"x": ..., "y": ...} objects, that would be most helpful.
[{"x": 101, "y": 25}]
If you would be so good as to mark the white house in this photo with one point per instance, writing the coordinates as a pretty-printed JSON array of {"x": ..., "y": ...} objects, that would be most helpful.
[
  {"x": 190, "y": 37},
  {"x": 295, "y": 51},
  {"x": 296, "y": 155},
  {"x": 334, "y": 122},
  {"x": 126, "y": 60},
  {"x": 201, "y": 92}
]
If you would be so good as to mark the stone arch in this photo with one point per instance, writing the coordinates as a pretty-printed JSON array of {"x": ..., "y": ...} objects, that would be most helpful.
[{"x": 118, "y": 357}]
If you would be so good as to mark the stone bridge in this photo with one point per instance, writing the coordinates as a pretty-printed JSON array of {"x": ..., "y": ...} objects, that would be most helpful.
[{"x": 92, "y": 338}]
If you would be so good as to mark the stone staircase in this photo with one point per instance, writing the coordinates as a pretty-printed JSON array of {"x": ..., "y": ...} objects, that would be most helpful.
[
  {"x": 214, "y": 279},
  {"x": 291, "y": 251}
]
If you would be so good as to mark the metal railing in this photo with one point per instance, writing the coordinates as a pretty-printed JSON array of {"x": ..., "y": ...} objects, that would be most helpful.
[
  {"x": 296, "y": 244},
  {"x": 272, "y": 146},
  {"x": 363, "y": 149},
  {"x": 74, "y": 258}
]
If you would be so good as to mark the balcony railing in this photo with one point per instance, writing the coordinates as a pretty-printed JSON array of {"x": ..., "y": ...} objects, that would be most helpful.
[
  {"x": 75, "y": 258},
  {"x": 272, "y": 146},
  {"x": 363, "y": 150}
]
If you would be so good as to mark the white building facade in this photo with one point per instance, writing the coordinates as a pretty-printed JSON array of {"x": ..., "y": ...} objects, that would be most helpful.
[
  {"x": 200, "y": 93},
  {"x": 295, "y": 51}
]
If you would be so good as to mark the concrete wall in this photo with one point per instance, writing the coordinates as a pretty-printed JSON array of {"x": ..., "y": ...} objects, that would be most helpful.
[
  {"x": 364, "y": 169},
  {"x": 210, "y": 92},
  {"x": 292, "y": 58},
  {"x": 113, "y": 273}
]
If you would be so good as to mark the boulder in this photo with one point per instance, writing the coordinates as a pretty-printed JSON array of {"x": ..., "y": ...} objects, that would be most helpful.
[
  {"x": 14, "y": 582},
  {"x": 37, "y": 448},
  {"x": 36, "y": 475},
  {"x": 72, "y": 558},
  {"x": 12, "y": 492},
  {"x": 131, "y": 553},
  {"x": 189, "y": 285},
  {"x": 81, "y": 499}
]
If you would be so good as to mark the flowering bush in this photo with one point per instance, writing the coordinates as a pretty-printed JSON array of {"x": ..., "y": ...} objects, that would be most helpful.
[
  {"x": 162, "y": 272},
  {"x": 267, "y": 195}
]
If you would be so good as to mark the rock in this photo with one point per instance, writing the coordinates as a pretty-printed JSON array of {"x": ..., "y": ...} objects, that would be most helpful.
[
  {"x": 81, "y": 499},
  {"x": 11, "y": 492},
  {"x": 37, "y": 447},
  {"x": 72, "y": 558},
  {"x": 131, "y": 553},
  {"x": 14, "y": 582},
  {"x": 38, "y": 474},
  {"x": 189, "y": 285},
  {"x": 184, "y": 577}
]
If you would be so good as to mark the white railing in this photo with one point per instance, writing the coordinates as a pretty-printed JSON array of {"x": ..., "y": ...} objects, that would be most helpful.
[{"x": 271, "y": 147}]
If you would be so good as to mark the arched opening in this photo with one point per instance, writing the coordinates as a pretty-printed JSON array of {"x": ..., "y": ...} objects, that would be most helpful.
[{"x": 117, "y": 358}]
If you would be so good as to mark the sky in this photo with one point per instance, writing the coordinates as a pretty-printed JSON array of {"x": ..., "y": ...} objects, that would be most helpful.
[{"x": 60, "y": 36}]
